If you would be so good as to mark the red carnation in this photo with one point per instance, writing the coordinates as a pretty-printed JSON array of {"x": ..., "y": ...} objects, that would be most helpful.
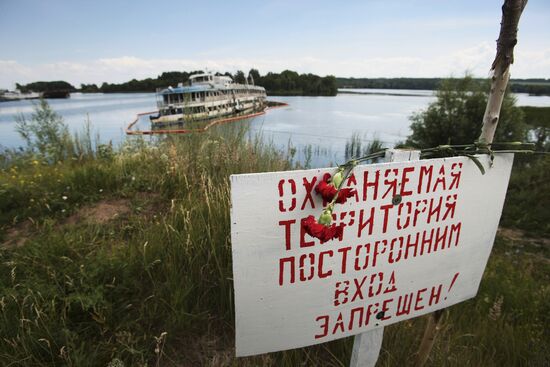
[
  {"x": 320, "y": 231},
  {"x": 327, "y": 190}
]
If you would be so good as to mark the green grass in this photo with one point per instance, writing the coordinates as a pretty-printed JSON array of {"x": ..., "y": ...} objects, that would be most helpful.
[{"x": 153, "y": 286}]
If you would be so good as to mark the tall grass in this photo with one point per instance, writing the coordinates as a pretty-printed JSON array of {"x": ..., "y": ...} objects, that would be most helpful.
[
  {"x": 154, "y": 286},
  {"x": 356, "y": 147}
]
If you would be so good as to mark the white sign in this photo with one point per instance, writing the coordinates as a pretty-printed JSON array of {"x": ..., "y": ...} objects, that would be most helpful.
[{"x": 394, "y": 261}]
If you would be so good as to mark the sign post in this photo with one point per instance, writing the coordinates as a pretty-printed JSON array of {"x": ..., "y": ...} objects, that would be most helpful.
[
  {"x": 416, "y": 239},
  {"x": 366, "y": 346}
]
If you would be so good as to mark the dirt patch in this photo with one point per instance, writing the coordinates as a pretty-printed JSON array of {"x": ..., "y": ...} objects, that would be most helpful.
[
  {"x": 17, "y": 236},
  {"x": 146, "y": 205},
  {"x": 521, "y": 237},
  {"x": 101, "y": 212}
]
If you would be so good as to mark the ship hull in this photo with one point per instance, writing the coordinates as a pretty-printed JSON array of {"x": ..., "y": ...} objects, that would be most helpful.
[{"x": 207, "y": 98}]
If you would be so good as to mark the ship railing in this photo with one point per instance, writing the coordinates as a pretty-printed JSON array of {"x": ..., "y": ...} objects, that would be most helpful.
[{"x": 201, "y": 100}]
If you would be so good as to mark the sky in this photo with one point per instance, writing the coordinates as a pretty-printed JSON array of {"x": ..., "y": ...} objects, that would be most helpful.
[{"x": 116, "y": 40}]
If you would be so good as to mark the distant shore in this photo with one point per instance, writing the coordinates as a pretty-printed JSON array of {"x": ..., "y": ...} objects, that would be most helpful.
[{"x": 343, "y": 91}]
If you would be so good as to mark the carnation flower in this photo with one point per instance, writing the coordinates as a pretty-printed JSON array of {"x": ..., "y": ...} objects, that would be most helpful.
[
  {"x": 321, "y": 231},
  {"x": 327, "y": 190}
]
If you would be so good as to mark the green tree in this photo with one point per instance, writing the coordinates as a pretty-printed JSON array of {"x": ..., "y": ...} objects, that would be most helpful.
[
  {"x": 456, "y": 116},
  {"x": 255, "y": 74},
  {"x": 89, "y": 88},
  {"x": 239, "y": 77}
]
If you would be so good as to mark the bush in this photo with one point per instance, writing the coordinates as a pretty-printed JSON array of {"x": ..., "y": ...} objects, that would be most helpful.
[
  {"x": 457, "y": 115},
  {"x": 45, "y": 133}
]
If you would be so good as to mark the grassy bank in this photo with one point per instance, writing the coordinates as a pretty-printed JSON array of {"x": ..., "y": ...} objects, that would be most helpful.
[{"x": 123, "y": 258}]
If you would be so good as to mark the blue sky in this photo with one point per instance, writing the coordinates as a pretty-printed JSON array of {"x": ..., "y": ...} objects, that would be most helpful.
[{"x": 114, "y": 41}]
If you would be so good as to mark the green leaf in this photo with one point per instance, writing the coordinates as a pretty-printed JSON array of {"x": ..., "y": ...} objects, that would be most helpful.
[{"x": 476, "y": 161}]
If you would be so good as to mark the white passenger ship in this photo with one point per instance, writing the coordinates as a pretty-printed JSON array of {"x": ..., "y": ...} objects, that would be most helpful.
[{"x": 207, "y": 97}]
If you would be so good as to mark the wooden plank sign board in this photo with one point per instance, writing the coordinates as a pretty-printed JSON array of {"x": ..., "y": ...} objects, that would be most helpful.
[{"x": 394, "y": 261}]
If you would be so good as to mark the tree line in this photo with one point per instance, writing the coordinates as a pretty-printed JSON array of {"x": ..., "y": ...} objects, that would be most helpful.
[
  {"x": 538, "y": 86},
  {"x": 54, "y": 86},
  {"x": 290, "y": 83},
  {"x": 286, "y": 83}
]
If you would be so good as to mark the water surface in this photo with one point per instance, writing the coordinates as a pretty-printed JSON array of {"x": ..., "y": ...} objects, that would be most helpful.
[{"x": 320, "y": 125}]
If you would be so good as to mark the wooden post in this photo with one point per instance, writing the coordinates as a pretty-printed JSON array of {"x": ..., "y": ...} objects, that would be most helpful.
[
  {"x": 429, "y": 337},
  {"x": 507, "y": 39},
  {"x": 366, "y": 346}
]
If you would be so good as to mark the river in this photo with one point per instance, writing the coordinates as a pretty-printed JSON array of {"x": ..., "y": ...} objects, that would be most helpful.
[{"x": 316, "y": 127}]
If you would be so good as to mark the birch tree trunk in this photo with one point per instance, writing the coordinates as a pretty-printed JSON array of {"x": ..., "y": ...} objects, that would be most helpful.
[{"x": 507, "y": 39}]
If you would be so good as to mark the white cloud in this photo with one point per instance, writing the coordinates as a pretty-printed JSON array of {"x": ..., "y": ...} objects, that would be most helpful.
[
  {"x": 11, "y": 68},
  {"x": 535, "y": 63},
  {"x": 476, "y": 59}
]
